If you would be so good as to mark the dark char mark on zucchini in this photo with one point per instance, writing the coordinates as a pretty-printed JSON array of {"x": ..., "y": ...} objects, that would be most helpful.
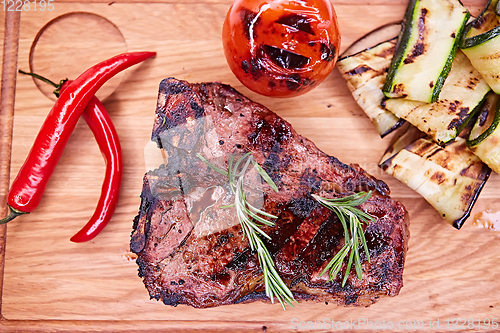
[
  {"x": 462, "y": 114},
  {"x": 419, "y": 47},
  {"x": 360, "y": 70}
]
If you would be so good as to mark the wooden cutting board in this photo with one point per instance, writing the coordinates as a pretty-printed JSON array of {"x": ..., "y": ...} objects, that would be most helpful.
[{"x": 50, "y": 283}]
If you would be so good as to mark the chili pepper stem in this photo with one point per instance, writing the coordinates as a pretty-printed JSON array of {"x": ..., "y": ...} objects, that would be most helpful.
[
  {"x": 12, "y": 215},
  {"x": 58, "y": 87}
]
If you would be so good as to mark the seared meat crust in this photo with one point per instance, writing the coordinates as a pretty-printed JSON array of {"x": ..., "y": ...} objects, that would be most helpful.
[{"x": 190, "y": 250}]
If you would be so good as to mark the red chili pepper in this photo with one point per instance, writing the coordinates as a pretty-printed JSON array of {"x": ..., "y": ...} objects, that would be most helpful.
[
  {"x": 105, "y": 134},
  {"x": 28, "y": 187}
]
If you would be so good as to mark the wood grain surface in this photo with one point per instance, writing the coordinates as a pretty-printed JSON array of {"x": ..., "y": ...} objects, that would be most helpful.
[{"x": 51, "y": 284}]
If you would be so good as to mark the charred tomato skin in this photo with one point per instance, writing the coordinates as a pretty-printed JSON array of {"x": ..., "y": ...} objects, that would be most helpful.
[{"x": 281, "y": 48}]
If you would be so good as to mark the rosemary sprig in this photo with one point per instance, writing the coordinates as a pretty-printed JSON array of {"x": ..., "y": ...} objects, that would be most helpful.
[
  {"x": 251, "y": 219},
  {"x": 346, "y": 210}
]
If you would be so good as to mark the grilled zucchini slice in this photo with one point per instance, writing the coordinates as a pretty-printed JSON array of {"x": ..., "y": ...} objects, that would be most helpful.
[
  {"x": 449, "y": 178},
  {"x": 481, "y": 44},
  {"x": 426, "y": 47},
  {"x": 484, "y": 138},
  {"x": 365, "y": 74},
  {"x": 461, "y": 96}
]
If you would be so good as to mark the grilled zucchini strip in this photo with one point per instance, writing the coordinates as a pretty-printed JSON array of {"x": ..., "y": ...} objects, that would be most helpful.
[
  {"x": 481, "y": 44},
  {"x": 461, "y": 96},
  {"x": 427, "y": 45},
  {"x": 484, "y": 138},
  {"x": 365, "y": 74},
  {"x": 449, "y": 178}
]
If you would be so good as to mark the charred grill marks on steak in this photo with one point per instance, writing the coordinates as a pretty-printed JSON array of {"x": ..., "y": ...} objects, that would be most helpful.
[{"x": 188, "y": 254}]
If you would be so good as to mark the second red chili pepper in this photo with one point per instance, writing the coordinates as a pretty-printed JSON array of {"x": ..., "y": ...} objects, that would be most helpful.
[
  {"x": 105, "y": 134},
  {"x": 99, "y": 122},
  {"x": 28, "y": 187}
]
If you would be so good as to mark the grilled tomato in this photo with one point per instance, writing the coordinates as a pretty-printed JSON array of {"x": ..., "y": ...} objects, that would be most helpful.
[{"x": 281, "y": 48}]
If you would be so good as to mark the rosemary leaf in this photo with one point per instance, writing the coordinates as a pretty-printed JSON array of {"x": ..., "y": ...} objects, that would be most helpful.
[
  {"x": 230, "y": 174},
  {"x": 248, "y": 215},
  {"x": 265, "y": 176},
  {"x": 258, "y": 211},
  {"x": 336, "y": 263},
  {"x": 348, "y": 269},
  {"x": 346, "y": 210},
  {"x": 245, "y": 167},
  {"x": 227, "y": 206},
  {"x": 213, "y": 167},
  {"x": 260, "y": 219}
]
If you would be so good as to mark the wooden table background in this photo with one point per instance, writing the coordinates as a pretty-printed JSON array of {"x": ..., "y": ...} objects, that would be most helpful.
[{"x": 50, "y": 283}]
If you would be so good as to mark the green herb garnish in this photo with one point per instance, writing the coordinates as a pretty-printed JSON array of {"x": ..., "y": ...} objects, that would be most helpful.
[
  {"x": 346, "y": 211},
  {"x": 251, "y": 219}
]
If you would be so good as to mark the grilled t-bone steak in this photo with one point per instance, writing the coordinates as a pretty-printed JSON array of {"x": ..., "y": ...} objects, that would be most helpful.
[{"x": 189, "y": 244}]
